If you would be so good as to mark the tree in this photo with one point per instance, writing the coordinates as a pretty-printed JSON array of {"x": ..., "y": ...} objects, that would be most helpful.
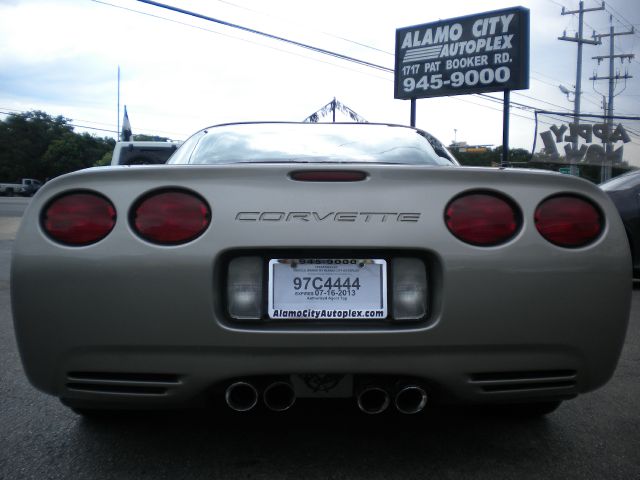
[
  {"x": 37, "y": 145},
  {"x": 105, "y": 160},
  {"x": 24, "y": 138},
  {"x": 492, "y": 157},
  {"x": 478, "y": 159},
  {"x": 72, "y": 152}
]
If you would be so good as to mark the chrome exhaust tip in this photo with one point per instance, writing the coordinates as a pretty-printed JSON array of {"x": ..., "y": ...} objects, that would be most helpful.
[
  {"x": 373, "y": 400},
  {"x": 410, "y": 399},
  {"x": 241, "y": 396},
  {"x": 279, "y": 396}
]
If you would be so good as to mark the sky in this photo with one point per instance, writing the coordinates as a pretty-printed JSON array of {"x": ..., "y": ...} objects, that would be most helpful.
[{"x": 179, "y": 74}]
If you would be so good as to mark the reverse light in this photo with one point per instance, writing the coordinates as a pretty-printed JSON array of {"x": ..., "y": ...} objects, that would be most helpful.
[
  {"x": 244, "y": 288},
  {"x": 170, "y": 217},
  {"x": 78, "y": 218},
  {"x": 568, "y": 221},
  {"x": 409, "y": 283},
  {"x": 482, "y": 218}
]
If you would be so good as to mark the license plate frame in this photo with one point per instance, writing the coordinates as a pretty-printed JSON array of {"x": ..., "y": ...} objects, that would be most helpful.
[{"x": 327, "y": 289}]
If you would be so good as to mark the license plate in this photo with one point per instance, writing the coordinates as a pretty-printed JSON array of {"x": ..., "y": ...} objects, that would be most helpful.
[{"x": 328, "y": 288}]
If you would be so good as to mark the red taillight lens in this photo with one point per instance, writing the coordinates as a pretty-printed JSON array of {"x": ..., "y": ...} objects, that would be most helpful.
[
  {"x": 482, "y": 219},
  {"x": 170, "y": 217},
  {"x": 78, "y": 219},
  {"x": 568, "y": 221}
]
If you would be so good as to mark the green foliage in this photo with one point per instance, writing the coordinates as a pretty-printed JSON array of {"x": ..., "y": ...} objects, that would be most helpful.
[
  {"x": 518, "y": 155},
  {"x": 477, "y": 159},
  {"x": 37, "y": 145},
  {"x": 492, "y": 157},
  {"x": 149, "y": 138},
  {"x": 72, "y": 152},
  {"x": 105, "y": 160}
]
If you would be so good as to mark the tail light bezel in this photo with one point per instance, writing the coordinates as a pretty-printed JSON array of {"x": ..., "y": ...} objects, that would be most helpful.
[
  {"x": 45, "y": 210},
  {"x": 588, "y": 201},
  {"x": 507, "y": 200},
  {"x": 163, "y": 190}
]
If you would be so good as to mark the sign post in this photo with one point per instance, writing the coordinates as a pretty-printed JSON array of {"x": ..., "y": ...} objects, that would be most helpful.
[
  {"x": 504, "y": 161},
  {"x": 486, "y": 52},
  {"x": 413, "y": 112}
]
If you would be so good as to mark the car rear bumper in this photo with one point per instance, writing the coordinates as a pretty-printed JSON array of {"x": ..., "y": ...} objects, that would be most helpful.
[{"x": 173, "y": 377}]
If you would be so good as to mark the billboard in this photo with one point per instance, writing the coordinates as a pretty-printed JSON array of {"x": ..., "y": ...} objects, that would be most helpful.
[{"x": 486, "y": 52}]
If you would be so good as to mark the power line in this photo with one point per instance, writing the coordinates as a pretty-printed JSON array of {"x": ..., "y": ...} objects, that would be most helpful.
[
  {"x": 293, "y": 42},
  {"x": 543, "y": 101},
  {"x": 318, "y": 50},
  {"x": 585, "y": 94},
  {"x": 302, "y": 45},
  {"x": 77, "y": 119},
  {"x": 144, "y": 131},
  {"x": 555, "y": 84},
  {"x": 265, "y": 34},
  {"x": 354, "y": 42},
  {"x": 557, "y": 3},
  {"x": 190, "y": 25},
  {"x": 66, "y": 124},
  {"x": 606, "y": 6},
  {"x": 606, "y": 170},
  {"x": 620, "y": 17}
]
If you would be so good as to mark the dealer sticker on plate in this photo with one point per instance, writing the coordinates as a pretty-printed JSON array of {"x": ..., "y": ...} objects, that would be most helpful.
[{"x": 328, "y": 288}]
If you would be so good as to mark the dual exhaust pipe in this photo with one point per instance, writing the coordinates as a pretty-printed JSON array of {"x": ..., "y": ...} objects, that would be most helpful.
[
  {"x": 243, "y": 396},
  {"x": 407, "y": 399},
  {"x": 279, "y": 396}
]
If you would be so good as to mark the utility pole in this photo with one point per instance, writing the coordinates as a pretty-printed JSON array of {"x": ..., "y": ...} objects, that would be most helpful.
[
  {"x": 579, "y": 40},
  {"x": 605, "y": 173}
]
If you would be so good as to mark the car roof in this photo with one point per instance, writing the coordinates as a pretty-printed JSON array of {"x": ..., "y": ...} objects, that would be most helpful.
[{"x": 622, "y": 182}]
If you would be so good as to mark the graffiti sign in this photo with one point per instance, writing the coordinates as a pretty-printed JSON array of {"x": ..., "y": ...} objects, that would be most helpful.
[{"x": 592, "y": 140}]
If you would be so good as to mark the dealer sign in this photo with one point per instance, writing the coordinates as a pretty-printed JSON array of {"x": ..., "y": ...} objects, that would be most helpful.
[{"x": 486, "y": 52}]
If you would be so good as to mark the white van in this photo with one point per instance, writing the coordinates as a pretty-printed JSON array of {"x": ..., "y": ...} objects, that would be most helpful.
[{"x": 142, "y": 153}]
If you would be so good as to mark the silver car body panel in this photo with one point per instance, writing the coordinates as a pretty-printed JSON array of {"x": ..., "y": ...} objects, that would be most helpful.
[{"x": 539, "y": 320}]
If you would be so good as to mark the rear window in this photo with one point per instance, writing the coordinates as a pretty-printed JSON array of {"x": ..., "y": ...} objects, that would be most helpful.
[{"x": 304, "y": 142}]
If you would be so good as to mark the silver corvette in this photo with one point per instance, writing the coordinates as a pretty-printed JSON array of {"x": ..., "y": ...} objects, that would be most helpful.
[{"x": 271, "y": 262}]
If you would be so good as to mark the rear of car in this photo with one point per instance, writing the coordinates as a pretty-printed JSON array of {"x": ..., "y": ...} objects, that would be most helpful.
[
  {"x": 342, "y": 261},
  {"x": 624, "y": 191}
]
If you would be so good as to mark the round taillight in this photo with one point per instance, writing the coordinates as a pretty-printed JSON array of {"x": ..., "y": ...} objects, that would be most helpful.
[
  {"x": 568, "y": 221},
  {"x": 483, "y": 219},
  {"x": 79, "y": 218},
  {"x": 170, "y": 217}
]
